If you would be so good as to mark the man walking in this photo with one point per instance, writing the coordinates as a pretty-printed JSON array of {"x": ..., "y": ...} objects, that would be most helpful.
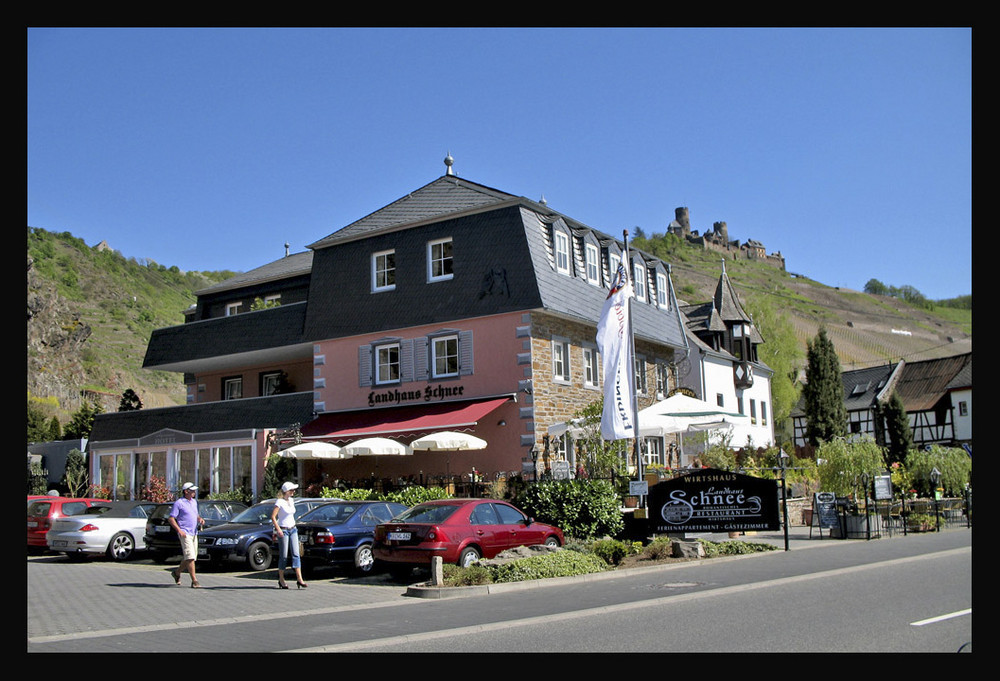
[{"x": 185, "y": 520}]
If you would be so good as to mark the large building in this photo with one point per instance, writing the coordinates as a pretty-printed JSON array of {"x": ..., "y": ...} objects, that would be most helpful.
[{"x": 456, "y": 307}]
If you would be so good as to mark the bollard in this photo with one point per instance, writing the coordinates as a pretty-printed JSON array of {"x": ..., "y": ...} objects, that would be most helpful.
[{"x": 437, "y": 571}]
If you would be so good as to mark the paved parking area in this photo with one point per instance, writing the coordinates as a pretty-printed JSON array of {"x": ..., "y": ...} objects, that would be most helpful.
[{"x": 70, "y": 599}]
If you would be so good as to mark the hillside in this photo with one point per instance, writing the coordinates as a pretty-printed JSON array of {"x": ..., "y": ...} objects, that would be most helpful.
[{"x": 91, "y": 312}]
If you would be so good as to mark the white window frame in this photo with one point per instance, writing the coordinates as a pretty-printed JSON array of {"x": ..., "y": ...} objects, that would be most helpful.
[
  {"x": 661, "y": 290},
  {"x": 639, "y": 281},
  {"x": 383, "y": 274},
  {"x": 233, "y": 308},
  {"x": 640, "y": 375},
  {"x": 269, "y": 379},
  {"x": 560, "y": 360},
  {"x": 438, "y": 261},
  {"x": 231, "y": 384},
  {"x": 561, "y": 249},
  {"x": 614, "y": 260},
  {"x": 384, "y": 359},
  {"x": 591, "y": 368},
  {"x": 436, "y": 355},
  {"x": 592, "y": 266}
]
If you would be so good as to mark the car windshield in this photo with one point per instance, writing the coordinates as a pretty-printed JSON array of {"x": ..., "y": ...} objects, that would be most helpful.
[
  {"x": 258, "y": 514},
  {"x": 330, "y": 513},
  {"x": 431, "y": 513}
]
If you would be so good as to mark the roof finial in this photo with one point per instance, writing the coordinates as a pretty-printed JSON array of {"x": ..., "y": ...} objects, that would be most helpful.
[
  {"x": 723, "y": 265},
  {"x": 286, "y": 248},
  {"x": 543, "y": 201},
  {"x": 449, "y": 161}
]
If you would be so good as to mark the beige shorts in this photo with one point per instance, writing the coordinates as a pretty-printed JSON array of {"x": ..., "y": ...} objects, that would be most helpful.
[{"x": 189, "y": 546}]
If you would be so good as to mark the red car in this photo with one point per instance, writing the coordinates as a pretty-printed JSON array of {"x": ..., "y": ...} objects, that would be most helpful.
[
  {"x": 459, "y": 530},
  {"x": 42, "y": 512}
]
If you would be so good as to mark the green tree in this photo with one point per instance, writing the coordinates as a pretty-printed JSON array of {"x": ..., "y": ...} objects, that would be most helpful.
[
  {"x": 842, "y": 465},
  {"x": 826, "y": 415},
  {"x": 954, "y": 465},
  {"x": 893, "y": 416},
  {"x": 75, "y": 477},
  {"x": 82, "y": 421},
  {"x": 130, "y": 401},
  {"x": 55, "y": 430},
  {"x": 38, "y": 429},
  {"x": 601, "y": 458},
  {"x": 876, "y": 287}
]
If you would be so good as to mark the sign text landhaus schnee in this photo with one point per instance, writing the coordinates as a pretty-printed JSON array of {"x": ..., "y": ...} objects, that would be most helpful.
[{"x": 711, "y": 500}]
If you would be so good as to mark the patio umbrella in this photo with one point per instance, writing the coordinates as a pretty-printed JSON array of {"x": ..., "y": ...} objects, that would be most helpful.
[
  {"x": 448, "y": 440},
  {"x": 679, "y": 413},
  {"x": 376, "y": 446},
  {"x": 314, "y": 450}
]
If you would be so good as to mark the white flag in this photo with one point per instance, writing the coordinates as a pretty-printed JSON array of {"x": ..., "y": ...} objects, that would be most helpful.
[{"x": 614, "y": 340}]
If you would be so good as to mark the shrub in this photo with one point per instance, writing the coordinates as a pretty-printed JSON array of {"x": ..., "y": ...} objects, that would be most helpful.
[
  {"x": 411, "y": 496},
  {"x": 359, "y": 494},
  {"x": 734, "y": 548},
  {"x": 474, "y": 575},
  {"x": 613, "y": 551},
  {"x": 581, "y": 507},
  {"x": 954, "y": 465},
  {"x": 558, "y": 564},
  {"x": 846, "y": 462},
  {"x": 657, "y": 549}
]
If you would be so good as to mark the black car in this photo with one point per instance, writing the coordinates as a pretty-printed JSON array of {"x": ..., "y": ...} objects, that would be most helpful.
[
  {"x": 247, "y": 536},
  {"x": 161, "y": 538},
  {"x": 341, "y": 533}
]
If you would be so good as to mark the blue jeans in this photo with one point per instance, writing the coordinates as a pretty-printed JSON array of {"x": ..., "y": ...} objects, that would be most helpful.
[{"x": 289, "y": 540}]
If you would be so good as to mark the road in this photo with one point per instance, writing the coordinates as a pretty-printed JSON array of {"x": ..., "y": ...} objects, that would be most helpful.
[{"x": 905, "y": 594}]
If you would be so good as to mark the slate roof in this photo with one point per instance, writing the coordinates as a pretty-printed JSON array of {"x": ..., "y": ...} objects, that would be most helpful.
[
  {"x": 276, "y": 411},
  {"x": 289, "y": 266},
  {"x": 726, "y": 300},
  {"x": 922, "y": 384}
]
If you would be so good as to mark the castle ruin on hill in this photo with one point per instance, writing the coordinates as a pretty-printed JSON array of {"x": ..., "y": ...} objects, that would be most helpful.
[{"x": 718, "y": 240}]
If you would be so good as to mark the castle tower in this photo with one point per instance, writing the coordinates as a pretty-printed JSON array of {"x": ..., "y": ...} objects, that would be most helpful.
[
  {"x": 682, "y": 222},
  {"x": 721, "y": 231}
]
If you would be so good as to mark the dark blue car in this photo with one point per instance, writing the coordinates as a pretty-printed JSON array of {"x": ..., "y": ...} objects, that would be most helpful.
[
  {"x": 341, "y": 534},
  {"x": 247, "y": 537}
]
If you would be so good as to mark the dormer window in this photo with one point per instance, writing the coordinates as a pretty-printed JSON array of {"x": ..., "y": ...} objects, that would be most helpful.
[
  {"x": 639, "y": 281},
  {"x": 439, "y": 260},
  {"x": 661, "y": 290},
  {"x": 592, "y": 264},
  {"x": 614, "y": 260},
  {"x": 561, "y": 242}
]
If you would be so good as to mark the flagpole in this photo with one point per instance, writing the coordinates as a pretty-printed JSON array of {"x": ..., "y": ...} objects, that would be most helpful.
[{"x": 631, "y": 353}]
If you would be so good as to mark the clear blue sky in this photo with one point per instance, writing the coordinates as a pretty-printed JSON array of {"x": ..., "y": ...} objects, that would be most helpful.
[{"x": 849, "y": 150}]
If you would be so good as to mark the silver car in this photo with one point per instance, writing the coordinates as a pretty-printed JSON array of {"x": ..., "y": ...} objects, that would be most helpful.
[{"x": 114, "y": 528}]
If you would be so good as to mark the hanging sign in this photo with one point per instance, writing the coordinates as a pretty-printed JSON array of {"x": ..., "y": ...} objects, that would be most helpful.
[{"x": 711, "y": 500}]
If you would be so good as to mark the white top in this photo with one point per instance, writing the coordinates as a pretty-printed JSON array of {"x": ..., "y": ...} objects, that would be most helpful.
[{"x": 286, "y": 512}]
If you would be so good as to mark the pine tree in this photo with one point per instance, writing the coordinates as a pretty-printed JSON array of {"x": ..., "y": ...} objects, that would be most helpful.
[
  {"x": 897, "y": 426},
  {"x": 826, "y": 415}
]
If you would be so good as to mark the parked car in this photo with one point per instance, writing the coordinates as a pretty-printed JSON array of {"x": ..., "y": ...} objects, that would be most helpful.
[
  {"x": 459, "y": 530},
  {"x": 42, "y": 512},
  {"x": 161, "y": 538},
  {"x": 247, "y": 536},
  {"x": 342, "y": 533},
  {"x": 114, "y": 528}
]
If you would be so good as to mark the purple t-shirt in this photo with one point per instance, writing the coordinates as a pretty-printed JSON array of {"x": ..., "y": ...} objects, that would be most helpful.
[{"x": 186, "y": 512}]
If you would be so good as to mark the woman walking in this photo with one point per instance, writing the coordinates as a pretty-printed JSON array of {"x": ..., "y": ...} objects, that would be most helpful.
[{"x": 283, "y": 519}]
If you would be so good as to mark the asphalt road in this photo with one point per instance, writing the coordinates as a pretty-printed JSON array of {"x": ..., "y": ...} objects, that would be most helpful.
[{"x": 905, "y": 594}]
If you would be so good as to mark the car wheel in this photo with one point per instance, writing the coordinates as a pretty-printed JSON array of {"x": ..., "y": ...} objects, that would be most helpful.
[
  {"x": 469, "y": 555},
  {"x": 552, "y": 541},
  {"x": 364, "y": 561},
  {"x": 122, "y": 546},
  {"x": 259, "y": 556}
]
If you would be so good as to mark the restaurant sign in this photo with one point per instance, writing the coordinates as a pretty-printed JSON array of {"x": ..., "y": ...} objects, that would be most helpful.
[{"x": 711, "y": 500}]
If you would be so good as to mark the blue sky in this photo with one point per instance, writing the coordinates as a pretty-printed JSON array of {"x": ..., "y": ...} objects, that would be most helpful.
[{"x": 849, "y": 150}]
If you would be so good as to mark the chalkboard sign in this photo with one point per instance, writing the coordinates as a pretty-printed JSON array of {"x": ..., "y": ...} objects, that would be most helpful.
[
  {"x": 825, "y": 508},
  {"x": 883, "y": 487},
  {"x": 560, "y": 470}
]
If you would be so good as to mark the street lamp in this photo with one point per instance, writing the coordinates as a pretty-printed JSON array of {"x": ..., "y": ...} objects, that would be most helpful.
[{"x": 935, "y": 479}]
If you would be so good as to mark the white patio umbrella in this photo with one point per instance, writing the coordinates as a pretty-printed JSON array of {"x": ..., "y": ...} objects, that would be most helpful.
[
  {"x": 679, "y": 413},
  {"x": 314, "y": 450},
  {"x": 447, "y": 440},
  {"x": 376, "y": 446}
]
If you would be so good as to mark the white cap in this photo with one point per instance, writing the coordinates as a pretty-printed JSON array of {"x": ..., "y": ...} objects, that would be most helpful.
[
  {"x": 289, "y": 486},
  {"x": 188, "y": 485}
]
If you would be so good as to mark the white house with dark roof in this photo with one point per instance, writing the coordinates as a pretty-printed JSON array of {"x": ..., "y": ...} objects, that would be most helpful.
[{"x": 455, "y": 307}]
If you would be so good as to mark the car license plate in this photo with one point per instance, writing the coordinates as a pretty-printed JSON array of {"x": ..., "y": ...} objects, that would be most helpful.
[
  {"x": 32, "y": 523},
  {"x": 202, "y": 553},
  {"x": 59, "y": 542},
  {"x": 399, "y": 536},
  {"x": 162, "y": 528}
]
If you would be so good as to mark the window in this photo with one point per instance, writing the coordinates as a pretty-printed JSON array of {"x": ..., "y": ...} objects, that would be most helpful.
[
  {"x": 720, "y": 400},
  {"x": 739, "y": 404},
  {"x": 269, "y": 383},
  {"x": 963, "y": 408},
  {"x": 233, "y": 309},
  {"x": 591, "y": 368},
  {"x": 387, "y": 364},
  {"x": 652, "y": 451},
  {"x": 562, "y": 252},
  {"x": 232, "y": 388},
  {"x": 661, "y": 379},
  {"x": 560, "y": 360},
  {"x": 383, "y": 271},
  {"x": 614, "y": 260},
  {"x": 439, "y": 260},
  {"x": 592, "y": 266},
  {"x": 640, "y": 376},
  {"x": 444, "y": 356},
  {"x": 661, "y": 290},
  {"x": 639, "y": 281},
  {"x": 753, "y": 412},
  {"x": 763, "y": 413}
]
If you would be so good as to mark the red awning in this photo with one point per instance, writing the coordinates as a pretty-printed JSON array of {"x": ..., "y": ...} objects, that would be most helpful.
[{"x": 399, "y": 421}]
